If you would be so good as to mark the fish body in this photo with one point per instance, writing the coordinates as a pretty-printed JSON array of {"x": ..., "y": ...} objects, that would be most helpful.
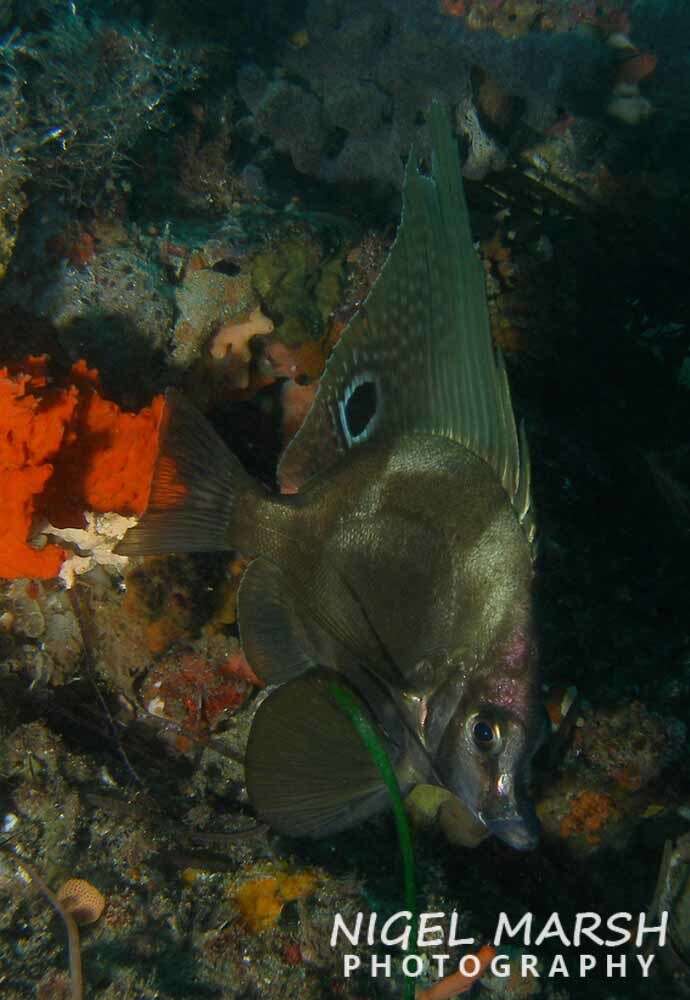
[{"x": 400, "y": 558}]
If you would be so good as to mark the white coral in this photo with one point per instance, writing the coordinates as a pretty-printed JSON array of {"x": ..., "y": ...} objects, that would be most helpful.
[{"x": 94, "y": 544}]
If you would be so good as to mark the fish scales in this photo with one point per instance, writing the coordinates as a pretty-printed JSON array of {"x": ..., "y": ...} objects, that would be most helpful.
[{"x": 398, "y": 558}]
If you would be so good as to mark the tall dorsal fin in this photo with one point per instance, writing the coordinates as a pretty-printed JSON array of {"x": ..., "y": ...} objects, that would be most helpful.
[{"x": 417, "y": 356}]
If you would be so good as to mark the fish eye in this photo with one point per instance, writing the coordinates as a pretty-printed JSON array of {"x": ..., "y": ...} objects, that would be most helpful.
[{"x": 486, "y": 735}]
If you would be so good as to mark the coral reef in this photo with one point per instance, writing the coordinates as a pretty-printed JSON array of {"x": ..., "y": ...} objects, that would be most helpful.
[
  {"x": 589, "y": 813},
  {"x": 299, "y": 285},
  {"x": 90, "y": 120},
  {"x": 40, "y": 618},
  {"x": 94, "y": 544},
  {"x": 376, "y": 66},
  {"x": 206, "y": 300},
  {"x": 287, "y": 112},
  {"x": 196, "y": 691},
  {"x": 206, "y": 181},
  {"x": 14, "y": 169},
  {"x": 187, "y": 890},
  {"x": 231, "y": 344},
  {"x": 116, "y": 311},
  {"x": 611, "y": 778},
  {"x": 125, "y": 702},
  {"x": 162, "y": 599},
  {"x": 361, "y": 128},
  {"x": 628, "y": 744}
]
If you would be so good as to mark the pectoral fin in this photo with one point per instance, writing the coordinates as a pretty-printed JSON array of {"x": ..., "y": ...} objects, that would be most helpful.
[
  {"x": 308, "y": 772},
  {"x": 289, "y": 625},
  {"x": 273, "y": 637}
]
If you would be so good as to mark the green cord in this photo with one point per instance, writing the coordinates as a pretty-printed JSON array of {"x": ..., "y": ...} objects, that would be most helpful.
[{"x": 380, "y": 757}]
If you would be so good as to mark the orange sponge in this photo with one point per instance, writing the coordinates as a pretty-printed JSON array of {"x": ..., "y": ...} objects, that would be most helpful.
[
  {"x": 107, "y": 458},
  {"x": 63, "y": 450}
]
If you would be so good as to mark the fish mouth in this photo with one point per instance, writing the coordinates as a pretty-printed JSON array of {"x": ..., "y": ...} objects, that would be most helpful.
[{"x": 518, "y": 832}]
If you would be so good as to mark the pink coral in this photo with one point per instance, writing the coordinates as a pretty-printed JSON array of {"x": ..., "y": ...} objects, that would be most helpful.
[{"x": 231, "y": 343}]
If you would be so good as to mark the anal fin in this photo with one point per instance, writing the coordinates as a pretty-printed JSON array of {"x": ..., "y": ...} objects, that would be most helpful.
[{"x": 308, "y": 772}]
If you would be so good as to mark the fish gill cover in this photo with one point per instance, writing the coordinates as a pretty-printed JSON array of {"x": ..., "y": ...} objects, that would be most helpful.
[{"x": 200, "y": 196}]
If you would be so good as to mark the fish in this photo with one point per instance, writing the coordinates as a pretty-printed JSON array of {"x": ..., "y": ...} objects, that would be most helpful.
[{"x": 398, "y": 558}]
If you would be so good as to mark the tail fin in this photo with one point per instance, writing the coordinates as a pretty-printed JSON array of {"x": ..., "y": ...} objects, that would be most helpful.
[{"x": 201, "y": 497}]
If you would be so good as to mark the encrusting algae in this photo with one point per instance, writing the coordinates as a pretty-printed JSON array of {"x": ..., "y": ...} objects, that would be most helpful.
[
  {"x": 198, "y": 692},
  {"x": 589, "y": 813},
  {"x": 64, "y": 449}
]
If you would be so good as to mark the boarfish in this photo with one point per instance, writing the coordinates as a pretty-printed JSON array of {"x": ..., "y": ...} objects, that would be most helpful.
[{"x": 399, "y": 556}]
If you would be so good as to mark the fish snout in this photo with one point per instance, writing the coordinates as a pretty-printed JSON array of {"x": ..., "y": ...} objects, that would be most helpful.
[
  {"x": 518, "y": 832},
  {"x": 510, "y": 815}
]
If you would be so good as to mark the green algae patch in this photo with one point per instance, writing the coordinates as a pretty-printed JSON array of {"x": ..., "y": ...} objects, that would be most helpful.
[{"x": 299, "y": 286}]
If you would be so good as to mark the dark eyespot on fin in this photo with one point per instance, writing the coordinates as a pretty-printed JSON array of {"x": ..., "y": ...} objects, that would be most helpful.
[
  {"x": 360, "y": 407},
  {"x": 201, "y": 497},
  {"x": 308, "y": 772},
  {"x": 273, "y": 636}
]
